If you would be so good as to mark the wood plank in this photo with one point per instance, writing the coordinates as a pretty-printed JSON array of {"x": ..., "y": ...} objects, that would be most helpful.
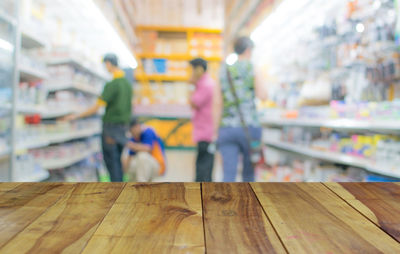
[
  {"x": 4, "y": 187},
  {"x": 235, "y": 222},
  {"x": 152, "y": 218},
  {"x": 68, "y": 224},
  {"x": 380, "y": 202},
  {"x": 310, "y": 218},
  {"x": 21, "y": 204}
]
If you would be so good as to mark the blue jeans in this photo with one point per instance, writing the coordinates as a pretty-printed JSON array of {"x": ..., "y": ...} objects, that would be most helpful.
[
  {"x": 113, "y": 141},
  {"x": 231, "y": 143}
]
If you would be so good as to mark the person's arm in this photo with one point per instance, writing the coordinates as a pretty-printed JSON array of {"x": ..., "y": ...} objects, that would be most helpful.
[
  {"x": 217, "y": 109},
  {"x": 89, "y": 112},
  {"x": 139, "y": 147},
  {"x": 261, "y": 91}
]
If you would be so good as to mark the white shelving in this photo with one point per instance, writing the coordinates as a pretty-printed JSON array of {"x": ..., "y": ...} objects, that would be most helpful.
[
  {"x": 45, "y": 113},
  {"x": 78, "y": 64},
  {"x": 66, "y": 162},
  {"x": 350, "y": 124},
  {"x": 85, "y": 88},
  {"x": 37, "y": 177},
  {"x": 369, "y": 165},
  {"x": 4, "y": 154},
  {"x": 7, "y": 18},
  {"x": 58, "y": 138},
  {"x": 31, "y": 41},
  {"x": 31, "y": 74}
]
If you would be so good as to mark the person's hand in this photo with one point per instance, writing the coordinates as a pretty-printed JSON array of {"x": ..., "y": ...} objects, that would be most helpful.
[
  {"x": 131, "y": 145},
  {"x": 215, "y": 137},
  {"x": 69, "y": 118}
]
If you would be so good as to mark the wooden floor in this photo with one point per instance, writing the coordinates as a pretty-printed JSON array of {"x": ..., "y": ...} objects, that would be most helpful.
[{"x": 197, "y": 218}]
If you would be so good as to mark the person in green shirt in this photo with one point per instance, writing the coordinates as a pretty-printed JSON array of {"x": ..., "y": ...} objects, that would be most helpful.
[{"x": 117, "y": 100}]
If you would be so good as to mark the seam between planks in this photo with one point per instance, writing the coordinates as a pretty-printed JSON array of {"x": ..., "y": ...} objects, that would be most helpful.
[
  {"x": 269, "y": 220},
  {"x": 203, "y": 217},
  {"x": 102, "y": 220},
  {"x": 376, "y": 224},
  {"x": 44, "y": 211}
]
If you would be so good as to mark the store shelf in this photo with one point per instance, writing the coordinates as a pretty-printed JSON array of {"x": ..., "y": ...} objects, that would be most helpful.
[
  {"x": 45, "y": 113},
  {"x": 179, "y": 29},
  {"x": 66, "y": 162},
  {"x": 31, "y": 74},
  {"x": 85, "y": 88},
  {"x": 160, "y": 77},
  {"x": 78, "y": 64},
  {"x": 7, "y": 18},
  {"x": 384, "y": 125},
  {"x": 177, "y": 57},
  {"x": 4, "y": 154},
  {"x": 56, "y": 113},
  {"x": 369, "y": 165},
  {"x": 39, "y": 177},
  {"x": 31, "y": 41},
  {"x": 58, "y": 138}
]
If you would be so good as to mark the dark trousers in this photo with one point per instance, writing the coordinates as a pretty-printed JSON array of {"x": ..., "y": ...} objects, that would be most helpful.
[
  {"x": 113, "y": 141},
  {"x": 204, "y": 163}
]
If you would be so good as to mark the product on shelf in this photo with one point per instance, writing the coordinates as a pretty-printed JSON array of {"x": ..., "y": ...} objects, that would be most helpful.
[
  {"x": 84, "y": 171},
  {"x": 28, "y": 170},
  {"x": 286, "y": 167},
  {"x": 31, "y": 135},
  {"x": 378, "y": 149},
  {"x": 62, "y": 75},
  {"x": 68, "y": 153}
]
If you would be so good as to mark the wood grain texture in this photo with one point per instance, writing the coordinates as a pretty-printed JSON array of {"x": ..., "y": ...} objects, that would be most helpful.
[
  {"x": 152, "y": 218},
  {"x": 310, "y": 218},
  {"x": 235, "y": 222},
  {"x": 380, "y": 202},
  {"x": 66, "y": 226},
  {"x": 21, "y": 204}
]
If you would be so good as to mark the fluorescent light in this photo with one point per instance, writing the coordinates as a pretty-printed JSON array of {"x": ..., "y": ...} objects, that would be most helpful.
[
  {"x": 231, "y": 59},
  {"x": 6, "y": 45},
  {"x": 123, "y": 52}
]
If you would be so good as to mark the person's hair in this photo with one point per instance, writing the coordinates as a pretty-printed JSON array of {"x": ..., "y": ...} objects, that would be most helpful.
[
  {"x": 242, "y": 44},
  {"x": 199, "y": 62},
  {"x": 134, "y": 122},
  {"x": 111, "y": 58}
]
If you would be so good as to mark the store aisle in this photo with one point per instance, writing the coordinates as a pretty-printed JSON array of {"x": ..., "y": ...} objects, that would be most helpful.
[{"x": 181, "y": 167}]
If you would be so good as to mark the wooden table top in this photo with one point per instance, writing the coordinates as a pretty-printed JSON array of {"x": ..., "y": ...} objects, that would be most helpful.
[{"x": 197, "y": 218}]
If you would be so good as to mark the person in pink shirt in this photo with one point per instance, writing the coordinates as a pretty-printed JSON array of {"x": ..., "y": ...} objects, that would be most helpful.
[{"x": 201, "y": 102}]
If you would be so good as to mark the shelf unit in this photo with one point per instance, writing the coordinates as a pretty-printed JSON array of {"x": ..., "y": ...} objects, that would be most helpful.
[
  {"x": 63, "y": 163},
  {"x": 79, "y": 64},
  {"x": 9, "y": 60},
  {"x": 31, "y": 41},
  {"x": 368, "y": 165},
  {"x": 8, "y": 18},
  {"x": 58, "y": 138},
  {"x": 81, "y": 87},
  {"x": 31, "y": 74},
  {"x": 342, "y": 124},
  {"x": 40, "y": 176}
]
